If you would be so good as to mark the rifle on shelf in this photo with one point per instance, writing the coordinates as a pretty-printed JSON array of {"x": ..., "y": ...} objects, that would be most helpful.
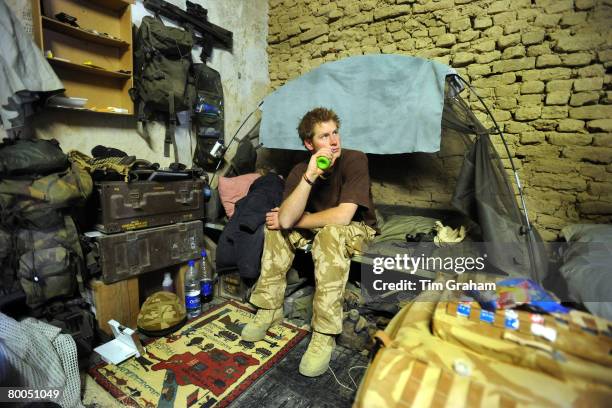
[{"x": 194, "y": 19}]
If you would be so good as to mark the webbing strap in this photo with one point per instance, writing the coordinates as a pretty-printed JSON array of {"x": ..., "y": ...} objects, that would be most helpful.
[
  {"x": 413, "y": 384},
  {"x": 475, "y": 394},
  {"x": 443, "y": 389},
  {"x": 169, "y": 128}
]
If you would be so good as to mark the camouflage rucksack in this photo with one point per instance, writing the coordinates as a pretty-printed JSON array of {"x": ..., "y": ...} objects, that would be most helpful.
[
  {"x": 163, "y": 78},
  {"x": 49, "y": 262},
  {"x": 40, "y": 251}
]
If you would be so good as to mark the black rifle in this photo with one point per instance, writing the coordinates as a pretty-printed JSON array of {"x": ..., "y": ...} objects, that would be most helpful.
[{"x": 194, "y": 19}]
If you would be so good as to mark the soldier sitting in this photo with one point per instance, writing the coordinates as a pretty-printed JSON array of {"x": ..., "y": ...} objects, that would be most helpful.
[{"x": 333, "y": 210}]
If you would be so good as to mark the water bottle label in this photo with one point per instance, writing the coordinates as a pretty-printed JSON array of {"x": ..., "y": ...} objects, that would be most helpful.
[
  {"x": 206, "y": 288},
  {"x": 192, "y": 300}
]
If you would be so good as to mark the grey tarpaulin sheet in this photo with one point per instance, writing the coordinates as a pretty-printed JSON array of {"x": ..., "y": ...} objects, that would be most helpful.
[
  {"x": 23, "y": 69},
  {"x": 387, "y": 104}
]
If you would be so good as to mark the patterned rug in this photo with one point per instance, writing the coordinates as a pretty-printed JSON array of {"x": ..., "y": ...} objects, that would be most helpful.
[{"x": 205, "y": 364}]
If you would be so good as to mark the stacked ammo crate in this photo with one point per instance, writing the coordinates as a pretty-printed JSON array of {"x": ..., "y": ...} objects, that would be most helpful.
[{"x": 147, "y": 225}]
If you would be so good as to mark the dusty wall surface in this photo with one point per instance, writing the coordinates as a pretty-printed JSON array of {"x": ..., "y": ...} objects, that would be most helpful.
[
  {"x": 542, "y": 66},
  {"x": 244, "y": 74}
]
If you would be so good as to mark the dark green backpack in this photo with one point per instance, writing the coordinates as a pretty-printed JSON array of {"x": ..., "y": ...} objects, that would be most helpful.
[
  {"x": 208, "y": 115},
  {"x": 163, "y": 78}
]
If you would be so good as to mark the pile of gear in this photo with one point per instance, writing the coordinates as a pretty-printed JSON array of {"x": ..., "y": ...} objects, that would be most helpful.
[{"x": 39, "y": 244}]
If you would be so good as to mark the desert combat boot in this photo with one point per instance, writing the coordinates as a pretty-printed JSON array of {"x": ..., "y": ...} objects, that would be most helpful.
[
  {"x": 264, "y": 319},
  {"x": 315, "y": 360}
]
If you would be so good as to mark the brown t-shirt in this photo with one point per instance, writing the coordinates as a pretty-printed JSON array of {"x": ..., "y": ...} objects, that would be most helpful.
[{"x": 348, "y": 182}]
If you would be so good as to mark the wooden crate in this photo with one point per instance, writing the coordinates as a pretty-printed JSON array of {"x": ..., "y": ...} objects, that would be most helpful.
[{"x": 121, "y": 300}]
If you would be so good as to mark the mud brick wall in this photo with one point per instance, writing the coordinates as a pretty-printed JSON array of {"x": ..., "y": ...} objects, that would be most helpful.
[{"x": 542, "y": 66}]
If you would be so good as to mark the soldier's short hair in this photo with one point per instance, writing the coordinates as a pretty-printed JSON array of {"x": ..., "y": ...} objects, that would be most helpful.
[{"x": 312, "y": 118}]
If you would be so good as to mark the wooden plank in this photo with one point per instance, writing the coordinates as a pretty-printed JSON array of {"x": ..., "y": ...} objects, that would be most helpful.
[
  {"x": 88, "y": 69},
  {"x": 107, "y": 112},
  {"x": 88, "y": 15},
  {"x": 113, "y": 4},
  {"x": 125, "y": 59},
  {"x": 179, "y": 282},
  {"x": 36, "y": 24},
  {"x": 119, "y": 301},
  {"x": 58, "y": 26}
]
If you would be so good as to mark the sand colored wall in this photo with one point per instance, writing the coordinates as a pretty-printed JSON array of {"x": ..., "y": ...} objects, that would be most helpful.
[{"x": 542, "y": 66}]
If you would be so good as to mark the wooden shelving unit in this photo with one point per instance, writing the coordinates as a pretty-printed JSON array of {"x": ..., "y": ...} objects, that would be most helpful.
[{"x": 109, "y": 49}]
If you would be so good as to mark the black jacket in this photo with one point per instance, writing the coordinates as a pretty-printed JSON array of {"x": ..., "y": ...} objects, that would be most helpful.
[{"x": 241, "y": 242}]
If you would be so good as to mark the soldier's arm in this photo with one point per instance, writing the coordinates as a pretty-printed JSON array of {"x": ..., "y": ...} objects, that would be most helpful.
[
  {"x": 292, "y": 209},
  {"x": 294, "y": 205},
  {"x": 340, "y": 215}
]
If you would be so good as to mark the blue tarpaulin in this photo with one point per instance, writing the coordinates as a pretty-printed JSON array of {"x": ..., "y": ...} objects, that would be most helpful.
[{"x": 386, "y": 103}]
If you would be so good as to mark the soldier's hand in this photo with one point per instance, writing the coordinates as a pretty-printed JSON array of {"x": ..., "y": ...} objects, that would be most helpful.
[
  {"x": 272, "y": 219},
  {"x": 313, "y": 172}
]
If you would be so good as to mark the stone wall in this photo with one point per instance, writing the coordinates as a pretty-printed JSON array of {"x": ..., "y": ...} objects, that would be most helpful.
[{"x": 542, "y": 66}]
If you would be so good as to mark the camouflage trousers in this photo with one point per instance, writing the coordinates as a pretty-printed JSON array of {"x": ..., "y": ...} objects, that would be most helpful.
[{"x": 332, "y": 248}]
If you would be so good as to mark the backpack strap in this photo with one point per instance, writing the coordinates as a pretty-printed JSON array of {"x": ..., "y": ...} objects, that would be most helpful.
[{"x": 170, "y": 130}]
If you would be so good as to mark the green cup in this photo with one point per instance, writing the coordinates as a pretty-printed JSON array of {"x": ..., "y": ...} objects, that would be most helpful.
[{"x": 323, "y": 162}]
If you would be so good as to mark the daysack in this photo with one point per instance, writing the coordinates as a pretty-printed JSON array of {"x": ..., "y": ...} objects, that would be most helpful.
[
  {"x": 208, "y": 115},
  {"x": 163, "y": 79},
  {"x": 438, "y": 356},
  {"x": 31, "y": 157}
]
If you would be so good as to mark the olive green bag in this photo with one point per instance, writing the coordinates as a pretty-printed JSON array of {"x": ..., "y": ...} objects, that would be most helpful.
[{"x": 163, "y": 80}]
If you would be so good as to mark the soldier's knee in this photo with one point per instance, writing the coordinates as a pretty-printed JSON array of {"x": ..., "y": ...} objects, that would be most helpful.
[{"x": 329, "y": 233}]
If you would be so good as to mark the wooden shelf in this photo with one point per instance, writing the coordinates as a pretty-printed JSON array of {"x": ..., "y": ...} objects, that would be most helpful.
[
  {"x": 58, "y": 26},
  {"x": 68, "y": 108},
  {"x": 88, "y": 69},
  {"x": 103, "y": 86},
  {"x": 113, "y": 4}
]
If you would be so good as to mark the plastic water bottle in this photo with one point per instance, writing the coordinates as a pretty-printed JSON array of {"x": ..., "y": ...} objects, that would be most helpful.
[
  {"x": 206, "y": 283},
  {"x": 167, "y": 284},
  {"x": 192, "y": 291}
]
